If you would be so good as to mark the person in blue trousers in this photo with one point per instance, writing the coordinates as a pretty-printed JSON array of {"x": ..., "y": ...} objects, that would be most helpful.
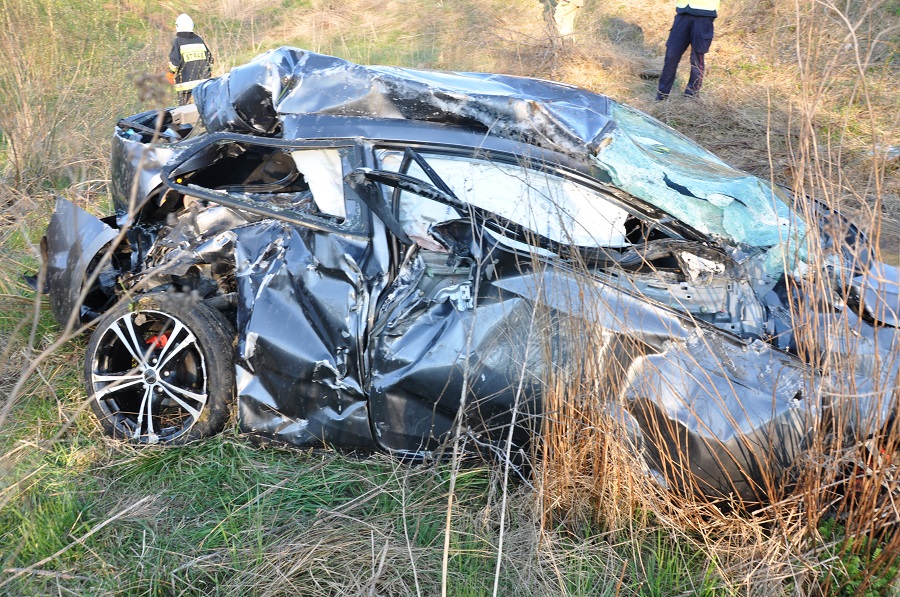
[{"x": 693, "y": 26}]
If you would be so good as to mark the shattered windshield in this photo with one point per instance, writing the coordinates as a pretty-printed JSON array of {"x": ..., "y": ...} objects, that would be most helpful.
[{"x": 653, "y": 162}]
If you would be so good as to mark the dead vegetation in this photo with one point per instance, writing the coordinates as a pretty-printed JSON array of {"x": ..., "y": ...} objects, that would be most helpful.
[{"x": 800, "y": 93}]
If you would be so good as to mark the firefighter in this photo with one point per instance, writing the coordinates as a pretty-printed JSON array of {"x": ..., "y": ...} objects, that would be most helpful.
[
  {"x": 190, "y": 60},
  {"x": 693, "y": 27}
]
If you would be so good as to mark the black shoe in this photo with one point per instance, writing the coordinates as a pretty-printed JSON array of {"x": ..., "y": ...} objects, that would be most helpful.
[
  {"x": 661, "y": 96},
  {"x": 689, "y": 93}
]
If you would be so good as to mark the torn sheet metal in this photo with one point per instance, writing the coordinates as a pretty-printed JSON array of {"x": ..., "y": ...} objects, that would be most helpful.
[
  {"x": 303, "y": 299},
  {"x": 391, "y": 244},
  {"x": 720, "y": 418},
  {"x": 734, "y": 415},
  {"x": 75, "y": 241},
  {"x": 878, "y": 293},
  {"x": 643, "y": 157},
  {"x": 433, "y": 349},
  {"x": 289, "y": 81},
  {"x": 135, "y": 165}
]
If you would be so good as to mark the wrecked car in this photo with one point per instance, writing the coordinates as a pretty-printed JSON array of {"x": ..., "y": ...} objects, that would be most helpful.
[{"x": 384, "y": 258}]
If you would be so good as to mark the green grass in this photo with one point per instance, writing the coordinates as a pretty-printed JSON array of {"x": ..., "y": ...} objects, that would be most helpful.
[
  {"x": 849, "y": 564},
  {"x": 669, "y": 566},
  {"x": 226, "y": 517},
  {"x": 223, "y": 507}
]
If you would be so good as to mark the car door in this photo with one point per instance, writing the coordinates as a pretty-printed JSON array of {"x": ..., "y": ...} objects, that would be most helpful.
[
  {"x": 307, "y": 265},
  {"x": 448, "y": 335}
]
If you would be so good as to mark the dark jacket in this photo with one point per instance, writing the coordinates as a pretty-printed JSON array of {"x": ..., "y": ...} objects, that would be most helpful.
[{"x": 190, "y": 60}]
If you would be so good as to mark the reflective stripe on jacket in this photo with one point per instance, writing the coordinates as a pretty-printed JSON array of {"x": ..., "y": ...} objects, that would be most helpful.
[
  {"x": 187, "y": 85},
  {"x": 700, "y": 8}
]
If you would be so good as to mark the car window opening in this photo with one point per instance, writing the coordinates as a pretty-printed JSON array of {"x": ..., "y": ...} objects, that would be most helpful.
[
  {"x": 632, "y": 253},
  {"x": 298, "y": 185}
]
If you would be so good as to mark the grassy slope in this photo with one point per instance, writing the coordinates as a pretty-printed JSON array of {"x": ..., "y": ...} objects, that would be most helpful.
[{"x": 784, "y": 97}]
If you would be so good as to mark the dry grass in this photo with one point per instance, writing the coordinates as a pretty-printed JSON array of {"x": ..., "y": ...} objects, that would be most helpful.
[{"x": 801, "y": 93}]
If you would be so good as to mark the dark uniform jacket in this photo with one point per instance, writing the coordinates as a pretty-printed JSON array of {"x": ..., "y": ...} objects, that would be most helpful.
[{"x": 190, "y": 60}]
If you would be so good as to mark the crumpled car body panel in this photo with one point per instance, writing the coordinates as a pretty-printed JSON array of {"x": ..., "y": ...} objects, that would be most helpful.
[
  {"x": 399, "y": 248},
  {"x": 74, "y": 239},
  {"x": 300, "y": 377}
]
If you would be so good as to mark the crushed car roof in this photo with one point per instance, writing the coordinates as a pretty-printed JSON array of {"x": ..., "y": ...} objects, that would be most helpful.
[
  {"x": 258, "y": 96},
  {"x": 273, "y": 94}
]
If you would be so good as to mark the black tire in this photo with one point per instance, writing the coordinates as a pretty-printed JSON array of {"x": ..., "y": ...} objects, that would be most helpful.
[{"x": 172, "y": 350}]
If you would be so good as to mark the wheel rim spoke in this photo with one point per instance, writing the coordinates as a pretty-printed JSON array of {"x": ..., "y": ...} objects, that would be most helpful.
[
  {"x": 177, "y": 327},
  {"x": 145, "y": 405},
  {"x": 190, "y": 340},
  {"x": 131, "y": 342},
  {"x": 114, "y": 377},
  {"x": 195, "y": 414},
  {"x": 171, "y": 390},
  {"x": 122, "y": 382},
  {"x": 151, "y": 434}
]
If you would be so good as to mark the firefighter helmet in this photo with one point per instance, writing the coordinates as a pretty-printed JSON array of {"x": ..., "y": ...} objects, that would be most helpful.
[{"x": 184, "y": 24}]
